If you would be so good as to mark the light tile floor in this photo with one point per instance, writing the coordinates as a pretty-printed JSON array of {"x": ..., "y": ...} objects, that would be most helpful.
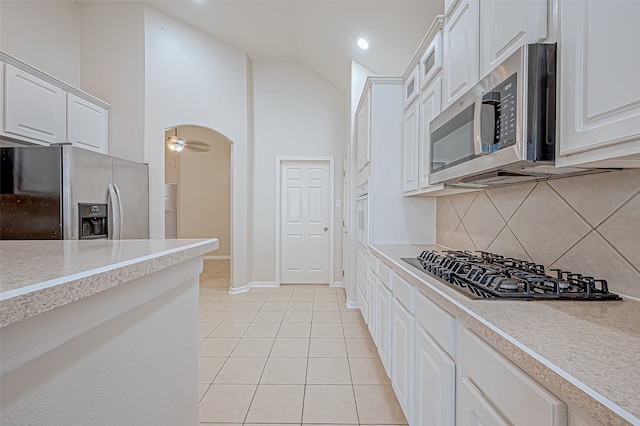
[{"x": 288, "y": 356}]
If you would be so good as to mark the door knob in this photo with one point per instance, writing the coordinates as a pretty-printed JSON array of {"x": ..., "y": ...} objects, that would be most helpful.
[{"x": 326, "y": 229}]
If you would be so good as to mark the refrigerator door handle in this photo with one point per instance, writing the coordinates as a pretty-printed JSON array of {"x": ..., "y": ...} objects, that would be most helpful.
[
  {"x": 115, "y": 211},
  {"x": 120, "y": 209}
]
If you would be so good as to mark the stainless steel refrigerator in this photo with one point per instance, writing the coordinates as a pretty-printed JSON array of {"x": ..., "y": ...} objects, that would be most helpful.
[{"x": 64, "y": 192}]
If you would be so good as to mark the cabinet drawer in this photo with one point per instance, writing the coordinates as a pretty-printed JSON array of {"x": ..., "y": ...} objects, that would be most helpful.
[
  {"x": 363, "y": 261},
  {"x": 405, "y": 293},
  {"x": 437, "y": 322},
  {"x": 373, "y": 263},
  {"x": 385, "y": 273},
  {"x": 482, "y": 365}
]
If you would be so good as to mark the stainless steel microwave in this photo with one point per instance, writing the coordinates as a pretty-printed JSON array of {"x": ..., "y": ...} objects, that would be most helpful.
[{"x": 502, "y": 131}]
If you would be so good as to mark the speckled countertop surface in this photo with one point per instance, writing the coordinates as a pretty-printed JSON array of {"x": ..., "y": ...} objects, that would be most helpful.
[
  {"x": 584, "y": 352},
  {"x": 36, "y": 276}
]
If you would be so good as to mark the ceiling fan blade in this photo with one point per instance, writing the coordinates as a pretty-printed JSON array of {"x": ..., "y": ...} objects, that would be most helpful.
[{"x": 198, "y": 146}]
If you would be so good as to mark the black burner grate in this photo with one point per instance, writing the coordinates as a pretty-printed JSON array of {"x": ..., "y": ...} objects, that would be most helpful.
[{"x": 484, "y": 275}]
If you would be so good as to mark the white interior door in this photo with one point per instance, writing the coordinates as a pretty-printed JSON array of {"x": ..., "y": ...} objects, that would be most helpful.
[
  {"x": 305, "y": 215},
  {"x": 345, "y": 217}
]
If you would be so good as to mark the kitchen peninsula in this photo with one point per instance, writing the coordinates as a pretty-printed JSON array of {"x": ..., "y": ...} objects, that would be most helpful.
[{"x": 99, "y": 332}]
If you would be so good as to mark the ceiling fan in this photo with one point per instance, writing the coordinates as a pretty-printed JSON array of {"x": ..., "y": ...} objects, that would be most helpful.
[{"x": 177, "y": 144}]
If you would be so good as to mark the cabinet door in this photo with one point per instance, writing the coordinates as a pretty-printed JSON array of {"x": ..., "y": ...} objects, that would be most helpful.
[
  {"x": 507, "y": 25},
  {"x": 473, "y": 409},
  {"x": 384, "y": 326},
  {"x": 410, "y": 149},
  {"x": 363, "y": 131},
  {"x": 461, "y": 47},
  {"x": 599, "y": 84},
  {"x": 402, "y": 357},
  {"x": 430, "y": 106},
  {"x": 373, "y": 306},
  {"x": 33, "y": 108},
  {"x": 434, "y": 383},
  {"x": 86, "y": 124}
]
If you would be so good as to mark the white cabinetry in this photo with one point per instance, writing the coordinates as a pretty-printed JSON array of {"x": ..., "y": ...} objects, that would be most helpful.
[
  {"x": 363, "y": 135},
  {"x": 385, "y": 299},
  {"x": 481, "y": 396},
  {"x": 430, "y": 106},
  {"x": 410, "y": 149},
  {"x": 599, "y": 65},
  {"x": 40, "y": 109},
  {"x": 34, "y": 109},
  {"x": 460, "y": 55},
  {"x": 507, "y": 25},
  {"x": 435, "y": 380},
  {"x": 86, "y": 124},
  {"x": 402, "y": 344}
]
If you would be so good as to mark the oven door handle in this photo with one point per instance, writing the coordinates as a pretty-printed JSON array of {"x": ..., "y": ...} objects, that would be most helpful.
[{"x": 477, "y": 126}]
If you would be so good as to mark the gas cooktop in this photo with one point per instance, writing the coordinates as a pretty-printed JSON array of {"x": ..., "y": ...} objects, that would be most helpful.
[{"x": 484, "y": 275}]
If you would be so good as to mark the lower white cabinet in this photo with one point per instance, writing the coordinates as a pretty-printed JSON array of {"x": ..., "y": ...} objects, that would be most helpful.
[
  {"x": 487, "y": 380},
  {"x": 474, "y": 409},
  {"x": 402, "y": 356},
  {"x": 384, "y": 307},
  {"x": 372, "y": 290},
  {"x": 435, "y": 379}
]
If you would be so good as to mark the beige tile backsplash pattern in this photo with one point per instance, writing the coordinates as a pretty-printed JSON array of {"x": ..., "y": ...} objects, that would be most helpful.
[{"x": 587, "y": 224}]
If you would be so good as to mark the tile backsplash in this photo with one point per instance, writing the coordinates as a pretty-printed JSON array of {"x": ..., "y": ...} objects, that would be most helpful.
[{"x": 587, "y": 224}]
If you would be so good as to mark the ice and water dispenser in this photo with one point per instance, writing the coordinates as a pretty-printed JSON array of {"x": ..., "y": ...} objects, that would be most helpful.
[{"x": 93, "y": 221}]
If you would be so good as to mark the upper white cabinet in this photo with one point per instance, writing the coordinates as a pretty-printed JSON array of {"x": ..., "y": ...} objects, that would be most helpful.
[
  {"x": 599, "y": 65},
  {"x": 363, "y": 118},
  {"x": 86, "y": 124},
  {"x": 430, "y": 106},
  {"x": 507, "y": 25},
  {"x": 460, "y": 53},
  {"x": 412, "y": 86},
  {"x": 410, "y": 149},
  {"x": 431, "y": 60},
  {"x": 33, "y": 108},
  {"x": 39, "y": 109}
]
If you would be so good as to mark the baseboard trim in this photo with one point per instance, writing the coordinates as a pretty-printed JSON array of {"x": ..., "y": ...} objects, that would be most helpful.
[
  {"x": 353, "y": 305},
  {"x": 215, "y": 257},
  {"x": 252, "y": 284},
  {"x": 337, "y": 284}
]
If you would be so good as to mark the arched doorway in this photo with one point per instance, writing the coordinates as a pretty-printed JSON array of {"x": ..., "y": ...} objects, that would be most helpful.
[{"x": 198, "y": 187}]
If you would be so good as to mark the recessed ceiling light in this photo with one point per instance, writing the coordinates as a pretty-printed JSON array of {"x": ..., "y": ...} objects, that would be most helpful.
[{"x": 363, "y": 44}]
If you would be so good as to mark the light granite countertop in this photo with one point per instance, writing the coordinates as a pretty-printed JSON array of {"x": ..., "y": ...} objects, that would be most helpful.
[
  {"x": 37, "y": 276},
  {"x": 584, "y": 352}
]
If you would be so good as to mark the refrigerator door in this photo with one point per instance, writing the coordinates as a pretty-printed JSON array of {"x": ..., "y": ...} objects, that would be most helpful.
[
  {"x": 30, "y": 184},
  {"x": 131, "y": 181},
  {"x": 85, "y": 179}
]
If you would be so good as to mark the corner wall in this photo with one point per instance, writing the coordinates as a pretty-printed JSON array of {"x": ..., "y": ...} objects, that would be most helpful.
[
  {"x": 297, "y": 113},
  {"x": 193, "y": 79}
]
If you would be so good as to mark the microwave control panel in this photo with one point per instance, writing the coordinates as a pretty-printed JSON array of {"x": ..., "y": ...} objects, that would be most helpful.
[{"x": 499, "y": 111}]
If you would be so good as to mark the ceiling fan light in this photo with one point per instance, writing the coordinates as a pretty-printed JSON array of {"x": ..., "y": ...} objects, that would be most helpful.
[{"x": 175, "y": 144}]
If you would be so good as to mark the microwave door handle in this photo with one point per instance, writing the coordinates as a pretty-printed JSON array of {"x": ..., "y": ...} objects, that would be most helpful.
[
  {"x": 477, "y": 126},
  {"x": 113, "y": 198},
  {"x": 120, "y": 209}
]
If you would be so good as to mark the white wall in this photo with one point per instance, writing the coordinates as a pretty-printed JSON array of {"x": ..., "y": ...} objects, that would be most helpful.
[
  {"x": 192, "y": 78},
  {"x": 45, "y": 34},
  {"x": 297, "y": 113},
  {"x": 112, "y": 67}
]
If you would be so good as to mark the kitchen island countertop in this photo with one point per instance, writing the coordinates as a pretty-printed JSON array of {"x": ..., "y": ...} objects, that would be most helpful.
[
  {"x": 37, "y": 276},
  {"x": 585, "y": 352}
]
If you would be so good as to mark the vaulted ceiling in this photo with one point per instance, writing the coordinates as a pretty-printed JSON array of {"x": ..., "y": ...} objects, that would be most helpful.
[{"x": 320, "y": 34}]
